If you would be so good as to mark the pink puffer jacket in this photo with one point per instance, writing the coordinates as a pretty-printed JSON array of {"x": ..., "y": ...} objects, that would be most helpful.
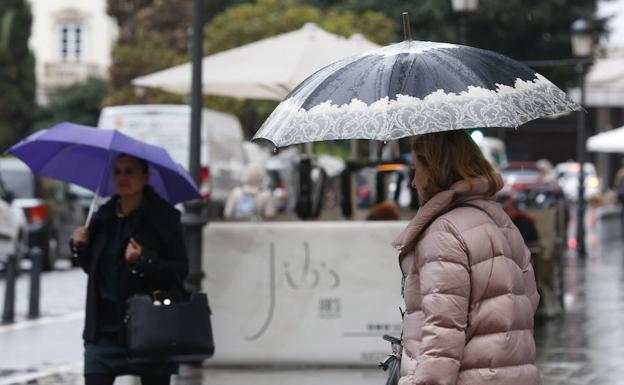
[{"x": 469, "y": 292}]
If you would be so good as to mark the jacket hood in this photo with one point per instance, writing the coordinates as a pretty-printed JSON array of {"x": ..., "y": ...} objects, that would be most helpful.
[{"x": 460, "y": 192}]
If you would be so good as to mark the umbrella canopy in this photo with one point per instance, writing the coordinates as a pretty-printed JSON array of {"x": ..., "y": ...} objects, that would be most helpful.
[
  {"x": 608, "y": 141},
  {"x": 84, "y": 156},
  {"x": 266, "y": 69},
  {"x": 413, "y": 88}
]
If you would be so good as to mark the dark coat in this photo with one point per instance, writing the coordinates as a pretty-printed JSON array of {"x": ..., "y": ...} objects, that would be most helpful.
[{"x": 163, "y": 265}]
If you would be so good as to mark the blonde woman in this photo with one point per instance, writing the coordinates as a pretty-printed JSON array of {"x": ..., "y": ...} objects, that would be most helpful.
[{"x": 469, "y": 286}]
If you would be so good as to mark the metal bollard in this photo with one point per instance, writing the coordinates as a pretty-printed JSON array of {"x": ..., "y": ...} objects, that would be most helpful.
[
  {"x": 36, "y": 260},
  {"x": 8, "y": 313}
]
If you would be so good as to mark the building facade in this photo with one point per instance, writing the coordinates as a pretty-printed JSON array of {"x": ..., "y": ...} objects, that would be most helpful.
[{"x": 72, "y": 40}]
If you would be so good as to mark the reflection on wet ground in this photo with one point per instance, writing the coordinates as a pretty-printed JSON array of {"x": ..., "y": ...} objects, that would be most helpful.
[{"x": 586, "y": 345}]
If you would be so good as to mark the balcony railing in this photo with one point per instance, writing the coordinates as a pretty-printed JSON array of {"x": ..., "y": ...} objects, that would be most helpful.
[{"x": 59, "y": 74}]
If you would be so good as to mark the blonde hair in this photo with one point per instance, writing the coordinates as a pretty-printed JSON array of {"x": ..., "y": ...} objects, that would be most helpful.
[{"x": 449, "y": 157}]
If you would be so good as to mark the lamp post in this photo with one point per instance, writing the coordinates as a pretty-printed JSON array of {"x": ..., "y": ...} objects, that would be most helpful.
[
  {"x": 582, "y": 46},
  {"x": 194, "y": 218},
  {"x": 463, "y": 8}
]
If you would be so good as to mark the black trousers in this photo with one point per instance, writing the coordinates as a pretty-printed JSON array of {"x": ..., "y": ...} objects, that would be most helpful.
[{"x": 108, "y": 379}]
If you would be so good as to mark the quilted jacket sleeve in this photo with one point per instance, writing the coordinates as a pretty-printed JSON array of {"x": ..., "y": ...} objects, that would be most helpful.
[
  {"x": 528, "y": 276},
  {"x": 445, "y": 287}
]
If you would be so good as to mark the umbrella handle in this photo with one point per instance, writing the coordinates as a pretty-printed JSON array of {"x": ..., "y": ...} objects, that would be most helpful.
[
  {"x": 97, "y": 192},
  {"x": 92, "y": 208}
]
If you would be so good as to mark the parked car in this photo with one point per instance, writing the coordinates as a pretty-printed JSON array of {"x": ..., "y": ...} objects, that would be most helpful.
[
  {"x": 13, "y": 231},
  {"x": 567, "y": 175},
  {"x": 533, "y": 184},
  {"x": 52, "y": 211},
  {"x": 521, "y": 176}
]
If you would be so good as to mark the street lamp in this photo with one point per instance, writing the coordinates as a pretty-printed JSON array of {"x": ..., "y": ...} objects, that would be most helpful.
[
  {"x": 194, "y": 218},
  {"x": 463, "y": 8},
  {"x": 582, "y": 41}
]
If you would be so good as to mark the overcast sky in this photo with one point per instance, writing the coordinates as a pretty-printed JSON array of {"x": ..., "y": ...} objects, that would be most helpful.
[{"x": 616, "y": 24}]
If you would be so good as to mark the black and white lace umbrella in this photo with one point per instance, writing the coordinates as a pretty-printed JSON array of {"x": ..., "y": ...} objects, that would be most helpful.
[{"x": 411, "y": 88}]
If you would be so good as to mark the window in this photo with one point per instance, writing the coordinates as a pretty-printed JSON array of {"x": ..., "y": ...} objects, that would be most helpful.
[{"x": 71, "y": 37}]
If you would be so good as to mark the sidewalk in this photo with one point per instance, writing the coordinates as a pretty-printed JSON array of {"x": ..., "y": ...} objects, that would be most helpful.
[
  {"x": 583, "y": 347},
  {"x": 586, "y": 345}
]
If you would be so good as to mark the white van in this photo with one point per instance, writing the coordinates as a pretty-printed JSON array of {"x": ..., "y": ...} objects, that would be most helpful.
[{"x": 167, "y": 126}]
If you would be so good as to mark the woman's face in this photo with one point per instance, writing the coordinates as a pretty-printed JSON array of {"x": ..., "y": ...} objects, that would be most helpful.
[
  {"x": 421, "y": 175},
  {"x": 128, "y": 177}
]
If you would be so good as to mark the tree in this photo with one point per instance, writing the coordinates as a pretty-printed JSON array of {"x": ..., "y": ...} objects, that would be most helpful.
[
  {"x": 245, "y": 23},
  {"x": 533, "y": 30},
  {"x": 155, "y": 36},
  {"x": 17, "y": 72},
  {"x": 79, "y": 103},
  {"x": 125, "y": 12},
  {"x": 249, "y": 22},
  {"x": 521, "y": 29}
]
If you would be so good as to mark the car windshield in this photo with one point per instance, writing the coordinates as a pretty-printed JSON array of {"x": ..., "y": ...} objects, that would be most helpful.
[{"x": 20, "y": 183}]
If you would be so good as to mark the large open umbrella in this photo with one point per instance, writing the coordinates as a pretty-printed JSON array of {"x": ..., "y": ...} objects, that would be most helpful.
[
  {"x": 84, "y": 156},
  {"x": 265, "y": 69},
  {"x": 608, "y": 141},
  {"x": 411, "y": 88}
]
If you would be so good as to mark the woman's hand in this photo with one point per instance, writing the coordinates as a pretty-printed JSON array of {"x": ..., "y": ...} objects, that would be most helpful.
[
  {"x": 80, "y": 235},
  {"x": 133, "y": 251}
]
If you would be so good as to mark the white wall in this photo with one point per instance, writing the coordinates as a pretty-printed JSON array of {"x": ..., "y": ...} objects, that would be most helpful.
[
  {"x": 99, "y": 33},
  {"x": 315, "y": 293}
]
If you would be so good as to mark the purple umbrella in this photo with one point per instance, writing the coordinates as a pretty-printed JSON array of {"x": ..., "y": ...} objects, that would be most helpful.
[{"x": 84, "y": 155}]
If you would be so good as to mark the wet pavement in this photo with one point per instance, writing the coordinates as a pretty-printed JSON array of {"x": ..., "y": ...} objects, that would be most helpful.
[{"x": 585, "y": 346}]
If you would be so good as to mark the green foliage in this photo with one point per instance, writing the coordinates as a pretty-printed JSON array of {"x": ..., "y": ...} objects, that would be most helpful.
[
  {"x": 6, "y": 26},
  {"x": 125, "y": 12},
  {"x": 155, "y": 34},
  {"x": 249, "y": 22},
  {"x": 79, "y": 103},
  {"x": 339, "y": 148},
  {"x": 17, "y": 72},
  {"x": 156, "y": 38},
  {"x": 521, "y": 29},
  {"x": 532, "y": 30}
]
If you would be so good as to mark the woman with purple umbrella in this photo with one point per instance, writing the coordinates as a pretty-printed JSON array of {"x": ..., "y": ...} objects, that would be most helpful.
[{"x": 133, "y": 245}]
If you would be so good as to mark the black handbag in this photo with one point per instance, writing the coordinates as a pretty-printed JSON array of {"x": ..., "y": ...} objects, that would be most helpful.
[{"x": 163, "y": 330}]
